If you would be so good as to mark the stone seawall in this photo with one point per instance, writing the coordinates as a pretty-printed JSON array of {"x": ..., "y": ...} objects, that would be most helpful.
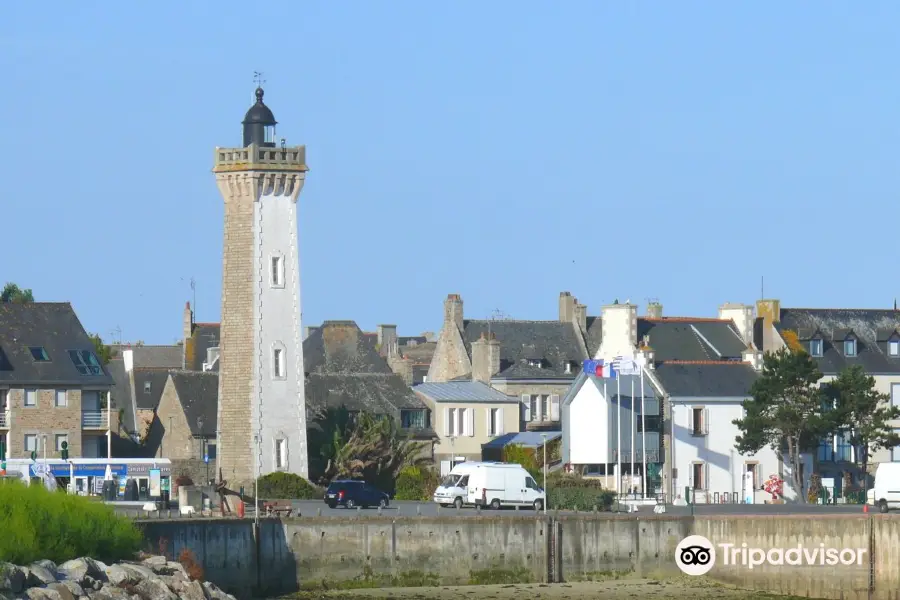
[{"x": 308, "y": 552}]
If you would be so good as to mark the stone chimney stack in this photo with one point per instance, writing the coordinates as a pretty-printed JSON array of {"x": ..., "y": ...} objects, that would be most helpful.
[
  {"x": 485, "y": 358},
  {"x": 187, "y": 321},
  {"x": 770, "y": 313},
  {"x": 742, "y": 316},
  {"x": 654, "y": 310},
  {"x": 619, "y": 330},
  {"x": 453, "y": 310},
  {"x": 581, "y": 317},
  {"x": 567, "y": 307},
  {"x": 388, "y": 343}
]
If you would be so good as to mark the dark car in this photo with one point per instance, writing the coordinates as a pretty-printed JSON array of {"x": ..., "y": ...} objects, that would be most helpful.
[{"x": 350, "y": 494}]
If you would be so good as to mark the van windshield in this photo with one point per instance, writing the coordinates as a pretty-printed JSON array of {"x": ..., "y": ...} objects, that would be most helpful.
[{"x": 450, "y": 481}]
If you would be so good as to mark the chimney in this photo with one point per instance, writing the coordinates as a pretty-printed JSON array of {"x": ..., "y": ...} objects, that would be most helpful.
[
  {"x": 654, "y": 310},
  {"x": 128, "y": 360},
  {"x": 387, "y": 340},
  {"x": 769, "y": 310},
  {"x": 429, "y": 336},
  {"x": 566, "y": 307},
  {"x": 581, "y": 317},
  {"x": 485, "y": 358},
  {"x": 187, "y": 320},
  {"x": 341, "y": 340},
  {"x": 742, "y": 316},
  {"x": 619, "y": 330},
  {"x": 453, "y": 310}
]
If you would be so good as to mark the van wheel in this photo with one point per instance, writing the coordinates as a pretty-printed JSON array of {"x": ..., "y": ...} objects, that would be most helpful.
[
  {"x": 538, "y": 505},
  {"x": 458, "y": 502},
  {"x": 883, "y": 506},
  {"x": 495, "y": 504}
]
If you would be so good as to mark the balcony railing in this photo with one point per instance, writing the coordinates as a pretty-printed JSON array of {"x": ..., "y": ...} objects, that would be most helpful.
[
  {"x": 4, "y": 420},
  {"x": 94, "y": 419}
]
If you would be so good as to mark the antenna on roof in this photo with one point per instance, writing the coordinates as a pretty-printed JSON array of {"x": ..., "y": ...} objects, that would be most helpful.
[
  {"x": 496, "y": 315},
  {"x": 762, "y": 287},
  {"x": 116, "y": 335}
]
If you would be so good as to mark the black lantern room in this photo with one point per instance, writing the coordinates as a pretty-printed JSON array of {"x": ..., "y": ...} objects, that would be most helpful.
[{"x": 259, "y": 124}]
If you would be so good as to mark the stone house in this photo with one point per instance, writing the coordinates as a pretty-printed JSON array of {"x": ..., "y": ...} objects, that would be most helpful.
[
  {"x": 467, "y": 415},
  {"x": 53, "y": 388},
  {"x": 535, "y": 361},
  {"x": 837, "y": 339}
]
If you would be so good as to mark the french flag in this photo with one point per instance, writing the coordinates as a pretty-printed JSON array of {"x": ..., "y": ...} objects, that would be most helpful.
[{"x": 599, "y": 369}]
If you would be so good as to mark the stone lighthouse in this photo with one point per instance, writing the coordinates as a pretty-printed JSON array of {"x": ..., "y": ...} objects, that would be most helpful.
[{"x": 262, "y": 407}]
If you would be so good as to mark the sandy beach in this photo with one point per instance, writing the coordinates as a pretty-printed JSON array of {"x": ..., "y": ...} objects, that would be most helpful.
[{"x": 629, "y": 589}]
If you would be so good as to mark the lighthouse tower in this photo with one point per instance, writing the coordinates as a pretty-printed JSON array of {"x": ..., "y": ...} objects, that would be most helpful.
[{"x": 262, "y": 408}]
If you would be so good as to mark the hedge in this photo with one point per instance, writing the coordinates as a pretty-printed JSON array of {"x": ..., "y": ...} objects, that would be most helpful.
[
  {"x": 39, "y": 524},
  {"x": 567, "y": 492},
  {"x": 416, "y": 483},
  {"x": 287, "y": 486}
]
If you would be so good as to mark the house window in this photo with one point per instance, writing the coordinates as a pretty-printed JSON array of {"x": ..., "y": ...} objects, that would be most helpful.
[
  {"x": 535, "y": 408},
  {"x": 849, "y": 347},
  {"x": 568, "y": 367},
  {"x": 85, "y": 362},
  {"x": 3, "y": 400},
  {"x": 699, "y": 418},
  {"x": 535, "y": 362},
  {"x": 60, "y": 438},
  {"x": 31, "y": 442},
  {"x": 826, "y": 450},
  {"x": 412, "y": 419},
  {"x": 844, "y": 451},
  {"x": 895, "y": 394},
  {"x": 211, "y": 451},
  {"x": 495, "y": 421},
  {"x": 61, "y": 399},
  {"x": 278, "y": 363},
  {"x": 894, "y": 348},
  {"x": 815, "y": 347},
  {"x": 280, "y": 453},
  {"x": 39, "y": 354},
  {"x": 277, "y": 271},
  {"x": 459, "y": 422},
  {"x": 753, "y": 469},
  {"x": 648, "y": 423},
  {"x": 545, "y": 408},
  {"x": 699, "y": 475},
  {"x": 30, "y": 397}
]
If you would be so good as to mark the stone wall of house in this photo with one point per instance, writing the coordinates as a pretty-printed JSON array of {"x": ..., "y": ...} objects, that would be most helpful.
[{"x": 45, "y": 418}]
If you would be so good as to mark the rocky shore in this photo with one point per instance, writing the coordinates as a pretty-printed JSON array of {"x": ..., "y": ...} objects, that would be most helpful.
[{"x": 153, "y": 578}]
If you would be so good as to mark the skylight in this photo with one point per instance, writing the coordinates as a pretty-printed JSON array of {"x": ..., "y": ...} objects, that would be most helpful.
[
  {"x": 39, "y": 354},
  {"x": 85, "y": 362}
]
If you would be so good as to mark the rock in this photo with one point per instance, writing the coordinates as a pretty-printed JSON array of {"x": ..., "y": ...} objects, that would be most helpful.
[
  {"x": 12, "y": 578},
  {"x": 63, "y": 590},
  {"x": 214, "y": 593},
  {"x": 73, "y": 587},
  {"x": 154, "y": 589},
  {"x": 41, "y": 575},
  {"x": 155, "y": 561},
  {"x": 192, "y": 590},
  {"x": 138, "y": 572},
  {"x": 79, "y": 568},
  {"x": 118, "y": 575},
  {"x": 47, "y": 564},
  {"x": 37, "y": 593},
  {"x": 109, "y": 593}
]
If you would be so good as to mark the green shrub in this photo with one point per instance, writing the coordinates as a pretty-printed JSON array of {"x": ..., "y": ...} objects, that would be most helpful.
[
  {"x": 568, "y": 492},
  {"x": 38, "y": 524},
  {"x": 416, "y": 483},
  {"x": 287, "y": 486}
]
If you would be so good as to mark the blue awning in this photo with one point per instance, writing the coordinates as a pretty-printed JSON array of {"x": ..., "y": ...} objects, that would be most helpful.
[{"x": 83, "y": 470}]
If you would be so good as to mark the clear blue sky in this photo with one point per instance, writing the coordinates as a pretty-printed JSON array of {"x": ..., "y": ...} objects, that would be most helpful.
[{"x": 502, "y": 150}]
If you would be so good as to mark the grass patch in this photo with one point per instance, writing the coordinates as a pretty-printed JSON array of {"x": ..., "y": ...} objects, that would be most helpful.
[
  {"x": 368, "y": 579},
  {"x": 496, "y": 576},
  {"x": 39, "y": 524}
]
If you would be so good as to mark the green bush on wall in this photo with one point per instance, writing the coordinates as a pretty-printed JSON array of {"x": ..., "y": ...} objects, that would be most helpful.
[
  {"x": 38, "y": 524},
  {"x": 287, "y": 486},
  {"x": 416, "y": 483}
]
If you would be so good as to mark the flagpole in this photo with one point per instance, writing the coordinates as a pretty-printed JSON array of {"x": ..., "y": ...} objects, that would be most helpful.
[
  {"x": 631, "y": 432},
  {"x": 618, "y": 435},
  {"x": 644, "y": 479}
]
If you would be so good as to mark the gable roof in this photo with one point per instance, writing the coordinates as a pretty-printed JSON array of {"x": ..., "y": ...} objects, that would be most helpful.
[
  {"x": 553, "y": 342},
  {"x": 153, "y": 357},
  {"x": 198, "y": 393},
  {"x": 55, "y": 327},
  {"x": 462, "y": 391},
  {"x": 706, "y": 379},
  {"x": 342, "y": 347},
  {"x": 145, "y": 399},
  {"x": 203, "y": 337},
  {"x": 871, "y": 327},
  {"x": 685, "y": 338}
]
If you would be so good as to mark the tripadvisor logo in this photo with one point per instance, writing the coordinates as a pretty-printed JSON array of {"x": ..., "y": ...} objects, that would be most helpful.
[{"x": 696, "y": 555}]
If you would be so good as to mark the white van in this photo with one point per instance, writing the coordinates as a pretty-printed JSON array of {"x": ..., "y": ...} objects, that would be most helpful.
[
  {"x": 502, "y": 484},
  {"x": 453, "y": 488},
  {"x": 886, "y": 494}
]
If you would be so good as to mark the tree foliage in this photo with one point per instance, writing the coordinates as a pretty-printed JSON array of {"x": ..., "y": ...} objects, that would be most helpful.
[
  {"x": 104, "y": 353},
  {"x": 14, "y": 294},
  {"x": 786, "y": 411},
  {"x": 861, "y": 413},
  {"x": 284, "y": 486},
  {"x": 361, "y": 446}
]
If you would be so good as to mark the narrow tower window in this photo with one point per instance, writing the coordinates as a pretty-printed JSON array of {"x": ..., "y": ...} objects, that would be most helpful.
[
  {"x": 280, "y": 454},
  {"x": 278, "y": 363},
  {"x": 277, "y": 271}
]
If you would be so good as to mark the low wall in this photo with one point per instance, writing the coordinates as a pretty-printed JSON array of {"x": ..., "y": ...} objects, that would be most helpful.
[{"x": 306, "y": 552}]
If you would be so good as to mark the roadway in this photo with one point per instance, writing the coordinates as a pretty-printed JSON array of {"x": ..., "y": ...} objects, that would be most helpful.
[{"x": 312, "y": 508}]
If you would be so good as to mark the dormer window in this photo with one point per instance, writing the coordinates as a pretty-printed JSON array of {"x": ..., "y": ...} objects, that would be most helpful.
[
  {"x": 568, "y": 367},
  {"x": 534, "y": 362},
  {"x": 894, "y": 348},
  {"x": 816, "y": 347},
  {"x": 850, "y": 347},
  {"x": 39, "y": 354}
]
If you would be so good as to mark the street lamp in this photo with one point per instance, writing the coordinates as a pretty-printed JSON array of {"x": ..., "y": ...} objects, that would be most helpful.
[
  {"x": 544, "y": 438},
  {"x": 256, "y": 482}
]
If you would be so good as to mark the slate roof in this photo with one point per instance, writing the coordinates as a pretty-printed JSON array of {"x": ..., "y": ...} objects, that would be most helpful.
[
  {"x": 553, "y": 342},
  {"x": 121, "y": 391},
  {"x": 148, "y": 400},
  {"x": 153, "y": 357},
  {"x": 344, "y": 368},
  {"x": 706, "y": 379},
  {"x": 198, "y": 392},
  {"x": 528, "y": 439},
  {"x": 53, "y": 326},
  {"x": 871, "y": 327},
  {"x": 203, "y": 337},
  {"x": 686, "y": 338},
  {"x": 462, "y": 391},
  {"x": 594, "y": 334}
]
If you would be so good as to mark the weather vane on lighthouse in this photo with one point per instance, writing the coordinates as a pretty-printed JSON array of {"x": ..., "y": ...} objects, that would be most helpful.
[{"x": 258, "y": 78}]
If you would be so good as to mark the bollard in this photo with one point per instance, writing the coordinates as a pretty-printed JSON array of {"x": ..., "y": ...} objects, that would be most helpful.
[
  {"x": 318, "y": 512},
  {"x": 596, "y": 508},
  {"x": 379, "y": 511},
  {"x": 517, "y": 508}
]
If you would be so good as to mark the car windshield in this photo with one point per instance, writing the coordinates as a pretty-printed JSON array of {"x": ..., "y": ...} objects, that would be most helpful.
[{"x": 450, "y": 481}]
